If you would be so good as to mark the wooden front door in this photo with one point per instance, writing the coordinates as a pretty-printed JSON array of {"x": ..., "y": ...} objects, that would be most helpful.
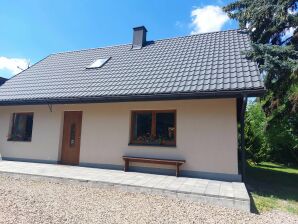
[{"x": 71, "y": 137}]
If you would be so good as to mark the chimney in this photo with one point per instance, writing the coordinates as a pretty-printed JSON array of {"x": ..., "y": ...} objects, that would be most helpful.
[{"x": 139, "y": 37}]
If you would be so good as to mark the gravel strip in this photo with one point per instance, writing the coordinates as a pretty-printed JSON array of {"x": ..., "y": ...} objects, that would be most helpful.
[{"x": 28, "y": 199}]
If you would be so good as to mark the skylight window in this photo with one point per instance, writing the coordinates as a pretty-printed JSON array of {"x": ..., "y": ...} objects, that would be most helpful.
[{"x": 98, "y": 63}]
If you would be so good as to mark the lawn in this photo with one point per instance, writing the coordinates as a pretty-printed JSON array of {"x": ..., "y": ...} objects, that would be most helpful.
[{"x": 273, "y": 186}]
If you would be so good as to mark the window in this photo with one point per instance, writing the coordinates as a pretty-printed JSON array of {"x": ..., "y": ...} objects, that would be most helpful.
[
  {"x": 98, "y": 63},
  {"x": 72, "y": 139},
  {"x": 153, "y": 128},
  {"x": 21, "y": 127}
]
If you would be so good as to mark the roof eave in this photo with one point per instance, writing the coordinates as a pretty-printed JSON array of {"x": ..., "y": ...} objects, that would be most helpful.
[{"x": 147, "y": 97}]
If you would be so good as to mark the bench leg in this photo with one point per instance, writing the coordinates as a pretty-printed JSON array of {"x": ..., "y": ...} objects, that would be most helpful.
[
  {"x": 177, "y": 170},
  {"x": 126, "y": 164}
]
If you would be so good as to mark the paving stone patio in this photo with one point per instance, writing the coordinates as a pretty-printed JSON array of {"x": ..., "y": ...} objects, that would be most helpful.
[{"x": 228, "y": 194}]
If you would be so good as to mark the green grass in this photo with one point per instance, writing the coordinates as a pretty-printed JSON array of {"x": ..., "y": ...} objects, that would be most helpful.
[
  {"x": 277, "y": 167},
  {"x": 273, "y": 186}
]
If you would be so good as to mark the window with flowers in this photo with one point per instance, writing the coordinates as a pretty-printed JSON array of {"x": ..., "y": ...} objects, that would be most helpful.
[{"x": 153, "y": 128}]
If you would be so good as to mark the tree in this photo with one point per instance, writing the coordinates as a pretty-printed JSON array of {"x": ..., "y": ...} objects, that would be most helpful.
[
  {"x": 256, "y": 142},
  {"x": 273, "y": 28}
]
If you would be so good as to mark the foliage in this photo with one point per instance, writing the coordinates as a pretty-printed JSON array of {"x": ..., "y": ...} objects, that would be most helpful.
[
  {"x": 269, "y": 24},
  {"x": 256, "y": 142},
  {"x": 282, "y": 142}
]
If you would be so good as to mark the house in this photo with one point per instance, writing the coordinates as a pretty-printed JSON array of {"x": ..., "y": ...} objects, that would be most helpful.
[
  {"x": 2, "y": 80},
  {"x": 178, "y": 98}
]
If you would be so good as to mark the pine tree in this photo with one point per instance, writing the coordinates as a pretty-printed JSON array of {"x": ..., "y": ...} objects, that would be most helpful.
[{"x": 273, "y": 28}]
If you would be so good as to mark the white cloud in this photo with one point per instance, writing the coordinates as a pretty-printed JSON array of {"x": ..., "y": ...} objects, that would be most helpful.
[
  {"x": 13, "y": 65},
  {"x": 208, "y": 19}
]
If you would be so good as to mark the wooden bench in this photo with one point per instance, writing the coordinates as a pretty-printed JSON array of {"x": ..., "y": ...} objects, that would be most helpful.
[{"x": 177, "y": 163}]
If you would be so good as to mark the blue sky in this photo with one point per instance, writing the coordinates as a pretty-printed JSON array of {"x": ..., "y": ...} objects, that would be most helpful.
[{"x": 32, "y": 29}]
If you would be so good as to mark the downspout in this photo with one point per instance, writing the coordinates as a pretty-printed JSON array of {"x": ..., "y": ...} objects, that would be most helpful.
[{"x": 242, "y": 124}]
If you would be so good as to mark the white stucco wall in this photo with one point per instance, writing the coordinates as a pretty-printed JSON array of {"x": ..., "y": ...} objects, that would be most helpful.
[
  {"x": 206, "y": 133},
  {"x": 45, "y": 134}
]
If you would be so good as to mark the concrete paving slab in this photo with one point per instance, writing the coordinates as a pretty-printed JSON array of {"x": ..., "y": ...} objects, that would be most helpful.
[
  {"x": 212, "y": 188},
  {"x": 229, "y": 194}
]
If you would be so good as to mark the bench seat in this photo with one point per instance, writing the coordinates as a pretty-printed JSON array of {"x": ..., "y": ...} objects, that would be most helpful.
[{"x": 177, "y": 163}]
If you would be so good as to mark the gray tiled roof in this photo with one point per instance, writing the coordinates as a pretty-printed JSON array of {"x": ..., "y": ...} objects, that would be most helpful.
[{"x": 211, "y": 64}]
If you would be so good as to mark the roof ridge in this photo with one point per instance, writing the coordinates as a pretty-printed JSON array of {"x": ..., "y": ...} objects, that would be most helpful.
[
  {"x": 121, "y": 45},
  {"x": 87, "y": 49},
  {"x": 198, "y": 34}
]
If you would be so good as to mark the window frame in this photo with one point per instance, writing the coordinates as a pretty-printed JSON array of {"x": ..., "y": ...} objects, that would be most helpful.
[
  {"x": 153, "y": 126},
  {"x": 12, "y": 126}
]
